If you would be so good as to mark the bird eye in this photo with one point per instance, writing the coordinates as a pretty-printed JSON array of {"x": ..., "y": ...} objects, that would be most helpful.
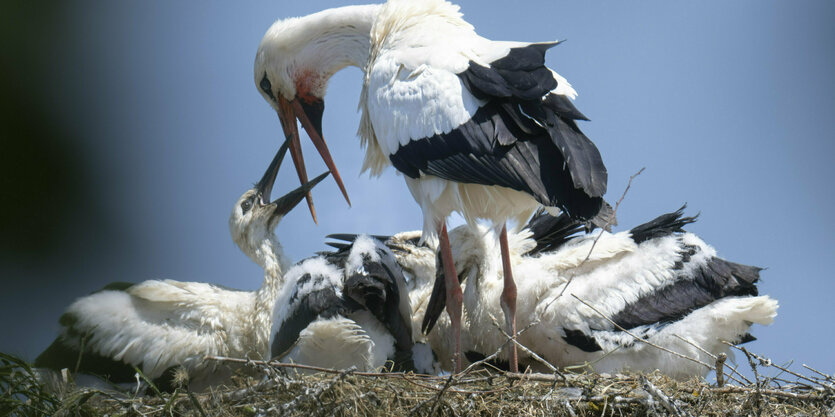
[
  {"x": 267, "y": 87},
  {"x": 246, "y": 205}
]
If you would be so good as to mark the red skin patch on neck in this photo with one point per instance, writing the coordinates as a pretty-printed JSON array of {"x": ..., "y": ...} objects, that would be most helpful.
[{"x": 305, "y": 82}]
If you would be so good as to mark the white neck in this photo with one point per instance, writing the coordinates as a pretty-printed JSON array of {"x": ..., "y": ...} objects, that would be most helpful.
[{"x": 270, "y": 255}]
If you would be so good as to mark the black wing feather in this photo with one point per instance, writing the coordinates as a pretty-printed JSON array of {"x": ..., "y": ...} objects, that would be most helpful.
[
  {"x": 551, "y": 232},
  {"x": 663, "y": 225},
  {"x": 64, "y": 353},
  {"x": 466, "y": 154},
  {"x": 322, "y": 303},
  {"x": 523, "y": 138},
  {"x": 716, "y": 279},
  {"x": 580, "y": 340},
  {"x": 66, "y": 350},
  {"x": 375, "y": 288}
]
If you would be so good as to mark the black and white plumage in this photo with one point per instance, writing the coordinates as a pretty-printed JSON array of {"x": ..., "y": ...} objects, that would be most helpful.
[
  {"x": 476, "y": 126},
  {"x": 656, "y": 281},
  {"x": 158, "y": 325},
  {"x": 343, "y": 309}
]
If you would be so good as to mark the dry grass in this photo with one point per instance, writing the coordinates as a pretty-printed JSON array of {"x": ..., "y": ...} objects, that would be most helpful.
[{"x": 281, "y": 390}]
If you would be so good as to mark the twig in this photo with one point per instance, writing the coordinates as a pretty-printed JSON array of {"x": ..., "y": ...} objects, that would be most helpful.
[
  {"x": 619, "y": 327},
  {"x": 594, "y": 243},
  {"x": 757, "y": 393},
  {"x": 720, "y": 369},
  {"x": 496, "y": 353},
  {"x": 524, "y": 348},
  {"x": 767, "y": 362},
  {"x": 321, "y": 389},
  {"x": 196, "y": 404},
  {"x": 243, "y": 393},
  {"x": 276, "y": 364},
  {"x": 567, "y": 405},
  {"x": 656, "y": 393},
  {"x": 716, "y": 359},
  {"x": 691, "y": 343},
  {"x": 441, "y": 393},
  {"x": 769, "y": 392},
  {"x": 828, "y": 377},
  {"x": 734, "y": 371}
]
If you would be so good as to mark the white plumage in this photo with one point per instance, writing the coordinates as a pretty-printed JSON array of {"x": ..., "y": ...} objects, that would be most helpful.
[
  {"x": 344, "y": 309},
  {"x": 624, "y": 274},
  {"x": 160, "y": 324},
  {"x": 476, "y": 126}
]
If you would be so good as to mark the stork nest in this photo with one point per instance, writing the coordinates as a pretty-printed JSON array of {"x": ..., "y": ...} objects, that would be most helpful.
[{"x": 279, "y": 389}]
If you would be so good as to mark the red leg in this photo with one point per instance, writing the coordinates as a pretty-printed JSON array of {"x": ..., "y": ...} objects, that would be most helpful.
[
  {"x": 508, "y": 300},
  {"x": 454, "y": 297}
]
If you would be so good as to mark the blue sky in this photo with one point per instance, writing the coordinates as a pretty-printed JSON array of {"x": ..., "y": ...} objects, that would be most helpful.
[{"x": 728, "y": 105}]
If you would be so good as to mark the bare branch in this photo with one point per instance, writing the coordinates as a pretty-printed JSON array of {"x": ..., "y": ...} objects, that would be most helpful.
[
  {"x": 525, "y": 348},
  {"x": 656, "y": 393},
  {"x": 593, "y": 244}
]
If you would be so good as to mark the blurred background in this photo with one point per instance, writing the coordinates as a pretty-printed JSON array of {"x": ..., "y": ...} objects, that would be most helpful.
[{"x": 129, "y": 129}]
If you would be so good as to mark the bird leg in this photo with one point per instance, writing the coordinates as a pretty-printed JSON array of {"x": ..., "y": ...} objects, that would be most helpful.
[
  {"x": 508, "y": 300},
  {"x": 454, "y": 297}
]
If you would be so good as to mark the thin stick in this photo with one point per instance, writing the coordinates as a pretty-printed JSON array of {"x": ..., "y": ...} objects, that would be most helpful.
[
  {"x": 757, "y": 393},
  {"x": 720, "y": 369},
  {"x": 437, "y": 406},
  {"x": 243, "y": 393},
  {"x": 496, "y": 353},
  {"x": 691, "y": 343},
  {"x": 659, "y": 395},
  {"x": 734, "y": 370},
  {"x": 767, "y": 362},
  {"x": 593, "y": 244},
  {"x": 523, "y": 347},
  {"x": 769, "y": 392},
  {"x": 276, "y": 364},
  {"x": 642, "y": 339},
  {"x": 716, "y": 359},
  {"x": 828, "y": 377}
]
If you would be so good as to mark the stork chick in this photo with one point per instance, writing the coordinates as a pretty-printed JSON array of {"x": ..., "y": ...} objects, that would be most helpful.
[
  {"x": 159, "y": 325},
  {"x": 344, "y": 309},
  {"x": 656, "y": 281}
]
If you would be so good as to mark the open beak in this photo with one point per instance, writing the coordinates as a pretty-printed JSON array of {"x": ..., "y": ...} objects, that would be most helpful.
[
  {"x": 310, "y": 116},
  {"x": 285, "y": 203},
  {"x": 264, "y": 187}
]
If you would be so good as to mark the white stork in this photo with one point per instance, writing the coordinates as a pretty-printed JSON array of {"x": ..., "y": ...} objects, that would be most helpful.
[
  {"x": 158, "y": 325},
  {"x": 476, "y": 126},
  {"x": 344, "y": 309},
  {"x": 657, "y": 281}
]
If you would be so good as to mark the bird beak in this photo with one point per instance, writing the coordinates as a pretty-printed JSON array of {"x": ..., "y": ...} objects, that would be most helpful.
[
  {"x": 310, "y": 116},
  {"x": 264, "y": 187},
  {"x": 285, "y": 203}
]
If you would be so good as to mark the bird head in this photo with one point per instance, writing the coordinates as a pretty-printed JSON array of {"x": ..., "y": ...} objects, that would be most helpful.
[
  {"x": 294, "y": 62},
  {"x": 254, "y": 217}
]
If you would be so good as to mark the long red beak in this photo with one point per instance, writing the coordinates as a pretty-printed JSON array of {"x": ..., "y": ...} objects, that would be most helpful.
[{"x": 288, "y": 112}]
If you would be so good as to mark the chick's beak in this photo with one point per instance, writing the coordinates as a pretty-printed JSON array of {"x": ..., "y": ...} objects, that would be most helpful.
[
  {"x": 310, "y": 116},
  {"x": 264, "y": 187},
  {"x": 285, "y": 203}
]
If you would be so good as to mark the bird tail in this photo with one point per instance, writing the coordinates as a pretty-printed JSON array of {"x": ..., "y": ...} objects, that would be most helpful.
[{"x": 662, "y": 225}]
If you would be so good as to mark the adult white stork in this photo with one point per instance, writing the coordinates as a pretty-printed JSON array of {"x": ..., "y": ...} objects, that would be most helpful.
[
  {"x": 158, "y": 325},
  {"x": 657, "y": 281},
  {"x": 476, "y": 126},
  {"x": 344, "y": 309}
]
